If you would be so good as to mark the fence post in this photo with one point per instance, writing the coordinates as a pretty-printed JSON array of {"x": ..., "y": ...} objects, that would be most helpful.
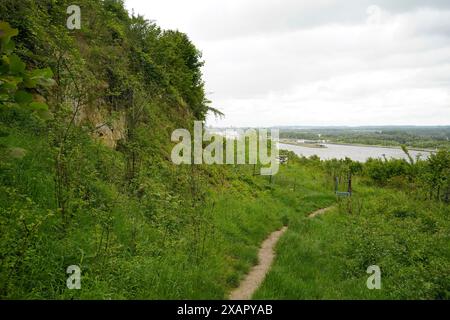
[
  {"x": 350, "y": 184},
  {"x": 336, "y": 183}
]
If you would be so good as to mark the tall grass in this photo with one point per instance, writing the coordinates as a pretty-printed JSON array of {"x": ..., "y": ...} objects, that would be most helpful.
[{"x": 327, "y": 257}]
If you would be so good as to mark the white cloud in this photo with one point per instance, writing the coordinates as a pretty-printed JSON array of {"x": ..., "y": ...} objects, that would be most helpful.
[{"x": 319, "y": 62}]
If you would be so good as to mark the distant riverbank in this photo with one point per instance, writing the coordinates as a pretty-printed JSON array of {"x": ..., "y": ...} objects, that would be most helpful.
[
  {"x": 302, "y": 144},
  {"x": 355, "y": 152},
  {"x": 382, "y": 146},
  {"x": 323, "y": 145}
]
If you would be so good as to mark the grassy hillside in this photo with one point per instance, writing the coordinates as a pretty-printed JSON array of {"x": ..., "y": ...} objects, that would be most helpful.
[
  {"x": 398, "y": 218},
  {"x": 89, "y": 180},
  {"x": 326, "y": 257},
  {"x": 86, "y": 179},
  {"x": 189, "y": 233}
]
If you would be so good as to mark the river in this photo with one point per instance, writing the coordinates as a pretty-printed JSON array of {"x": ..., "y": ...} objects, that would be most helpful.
[{"x": 354, "y": 152}]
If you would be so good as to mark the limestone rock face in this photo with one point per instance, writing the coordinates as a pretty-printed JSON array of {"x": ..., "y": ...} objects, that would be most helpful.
[
  {"x": 108, "y": 128},
  {"x": 110, "y": 134}
]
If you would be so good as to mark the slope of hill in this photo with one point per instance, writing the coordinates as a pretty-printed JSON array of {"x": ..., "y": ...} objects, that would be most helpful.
[{"x": 88, "y": 181}]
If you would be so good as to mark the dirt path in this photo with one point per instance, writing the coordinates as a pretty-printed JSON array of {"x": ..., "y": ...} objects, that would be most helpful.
[
  {"x": 257, "y": 274},
  {"x": 266, "y": 256},
  {"x": 319, "y": 212}
]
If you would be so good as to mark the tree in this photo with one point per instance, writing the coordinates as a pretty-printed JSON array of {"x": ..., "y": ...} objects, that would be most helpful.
[
  {"x": 437, "y": 174},
  {"x": 18, "y": 86}
]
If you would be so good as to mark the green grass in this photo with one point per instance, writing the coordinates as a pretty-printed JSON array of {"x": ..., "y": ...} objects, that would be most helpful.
[
  {"x": 309, "y": 264},
  {"x": 159, "y": 246},
  {"x": 164, "y": 244},
  {"x": 326, "y": 257}
]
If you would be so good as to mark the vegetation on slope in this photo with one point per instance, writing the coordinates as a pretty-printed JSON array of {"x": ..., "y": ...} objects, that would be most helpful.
[
  {"x": 396, "y": 219},
  {"x": 136, "y": 224},
  {"x": 86, "y": 178},
  {"x": 89, "y": 182}
]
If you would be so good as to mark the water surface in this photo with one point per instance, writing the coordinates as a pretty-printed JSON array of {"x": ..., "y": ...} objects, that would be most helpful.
[{"x": 357, "y": 153}]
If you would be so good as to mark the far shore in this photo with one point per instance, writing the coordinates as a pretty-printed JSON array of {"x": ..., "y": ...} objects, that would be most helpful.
[
  {"x": 381, "y": 146},
  {"x": 355, "y": 144},
  {"x": 307, "y": 145}
]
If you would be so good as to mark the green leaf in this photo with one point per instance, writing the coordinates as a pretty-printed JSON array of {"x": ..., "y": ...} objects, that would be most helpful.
[
  {"x": 16, "y": 65},
  {"x": 42, "y": 77},
  {"x": 38, "y": 106},
  {"x": 44, "y": 114},
  {"x": 46, "y": 82},
  {"x": 9, "y": 47},
  {"x": 10, "y": 82},
  {"x": 23, "y": 97},
  {"x": 6, "y": 32},
  {"x": 29, "y": 82},
  {"x": 41, "y": 73}
]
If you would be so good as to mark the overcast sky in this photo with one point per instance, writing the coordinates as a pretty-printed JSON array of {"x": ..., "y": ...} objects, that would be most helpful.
[{"x": 318, "y": 62}]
